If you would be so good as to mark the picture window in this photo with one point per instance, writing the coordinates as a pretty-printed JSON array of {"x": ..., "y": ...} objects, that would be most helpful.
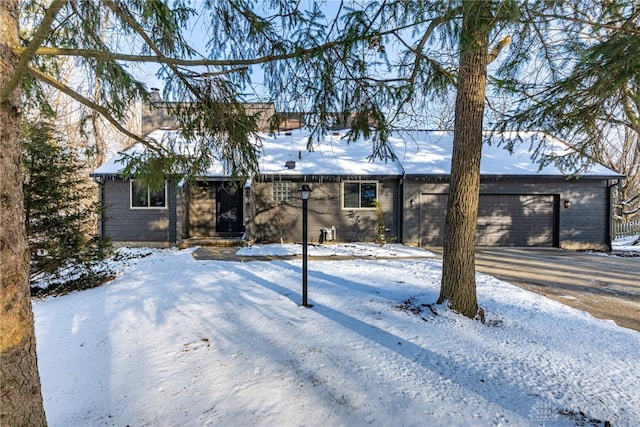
[
  {"x": 143, "y": 197},
  {"x": 357, "y": 195}
]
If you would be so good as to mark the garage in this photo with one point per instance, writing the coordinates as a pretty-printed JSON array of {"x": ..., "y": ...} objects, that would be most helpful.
[{"x": 503, "y": 220}]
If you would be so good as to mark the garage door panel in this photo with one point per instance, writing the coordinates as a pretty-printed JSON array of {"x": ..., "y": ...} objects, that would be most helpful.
[
  {"x": 513, "y": 213},
  {"x": 528, "y": 227},
  {"x": 503, "y": 220}
]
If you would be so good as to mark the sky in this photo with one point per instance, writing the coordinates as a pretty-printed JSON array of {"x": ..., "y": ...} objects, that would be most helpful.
[
  {"x": 197, "y": 35},
  {"x": 185, "y": 342}
]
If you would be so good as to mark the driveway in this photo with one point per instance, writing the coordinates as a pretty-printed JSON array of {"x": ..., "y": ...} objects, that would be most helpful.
[{"x": 606, "y": 286}]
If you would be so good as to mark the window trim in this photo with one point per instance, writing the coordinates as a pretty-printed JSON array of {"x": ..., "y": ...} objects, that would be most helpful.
[
  {"x": 166, "y": 198},
  {"x": 366, "y": 208}
]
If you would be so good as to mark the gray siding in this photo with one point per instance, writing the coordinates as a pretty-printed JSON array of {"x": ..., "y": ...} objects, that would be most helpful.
[
  {"x": 584, "y": 225},
  {"x": 124, "y": 224},
  {"x": 275, "y": 222}
]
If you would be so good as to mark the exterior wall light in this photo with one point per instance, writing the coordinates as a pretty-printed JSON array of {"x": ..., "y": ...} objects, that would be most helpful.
[
  {"x": 567, "y": 204},
  {"x": 305, "y": 192}
]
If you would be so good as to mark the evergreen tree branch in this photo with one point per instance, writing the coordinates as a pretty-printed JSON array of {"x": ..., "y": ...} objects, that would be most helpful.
[
  {"x": 39, "y": 36},
  {"x": 617, "y": 28},
  {"x": 105, "y": 55},
  {"x": 88, "y": 103},
  {"x": 160, "y": 58},
  {"x": 138, "y": 29}
]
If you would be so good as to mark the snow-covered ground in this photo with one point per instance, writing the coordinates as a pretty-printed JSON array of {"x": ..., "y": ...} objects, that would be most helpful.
[
  {"x": 626, "y": 245},
  {"x": 178, "y": 342}
]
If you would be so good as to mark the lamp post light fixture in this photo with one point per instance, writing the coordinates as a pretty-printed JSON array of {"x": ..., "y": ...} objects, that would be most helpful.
[{"x": 305, "y": 193}]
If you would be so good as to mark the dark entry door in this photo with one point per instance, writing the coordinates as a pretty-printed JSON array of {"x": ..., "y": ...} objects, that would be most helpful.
[
  {"x": 228, "y": 208},
  {"x": 201, "y": 210}
]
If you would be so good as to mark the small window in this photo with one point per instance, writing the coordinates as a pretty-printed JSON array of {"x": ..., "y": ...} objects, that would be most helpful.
[
  {"x": 359, "y": 194},
  {"x": 143, "y": 197},
  {"x": 280, "y": 191}
]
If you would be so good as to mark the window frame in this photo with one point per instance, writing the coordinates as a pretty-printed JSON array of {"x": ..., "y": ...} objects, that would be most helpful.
[
  {"x": 360, "y": 183},
  {"x": 148, "y": 197}
]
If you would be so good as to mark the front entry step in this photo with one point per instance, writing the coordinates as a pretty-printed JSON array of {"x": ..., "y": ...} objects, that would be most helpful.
[{"x": 226, "y": 241}]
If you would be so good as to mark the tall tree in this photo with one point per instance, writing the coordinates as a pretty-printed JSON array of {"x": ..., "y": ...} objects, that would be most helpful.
[
  {"x": 20, "y": 394},
  {"x": 60, "y": 207},
  {"x": 458, "y": 271}
]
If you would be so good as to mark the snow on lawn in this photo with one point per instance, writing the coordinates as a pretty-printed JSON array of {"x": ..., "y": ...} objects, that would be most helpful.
[
  {"x": 179, "y": 342},
  {"x": 625, "y": 244}
]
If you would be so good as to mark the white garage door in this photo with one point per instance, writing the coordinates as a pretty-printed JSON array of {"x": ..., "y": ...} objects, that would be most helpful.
[{"x": 503, "y": 220}]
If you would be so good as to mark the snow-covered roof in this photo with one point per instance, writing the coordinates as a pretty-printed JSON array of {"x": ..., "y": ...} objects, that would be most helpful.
[
  {"x": 331, "y": 156},
  {"x": 169, "y": 138},
  {"x": 418, "y": 153},
  {"x": 429, "y": 153}
]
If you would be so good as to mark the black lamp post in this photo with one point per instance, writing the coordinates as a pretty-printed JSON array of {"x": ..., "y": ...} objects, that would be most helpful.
[{"x": 305, "y": 192}]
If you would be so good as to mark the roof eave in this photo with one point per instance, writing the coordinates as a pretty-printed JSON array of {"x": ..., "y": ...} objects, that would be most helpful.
[{"x": 520, "y": 176}]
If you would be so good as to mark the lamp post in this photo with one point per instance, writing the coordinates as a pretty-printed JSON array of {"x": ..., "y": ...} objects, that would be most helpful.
[{"x": 305, "y": 192}]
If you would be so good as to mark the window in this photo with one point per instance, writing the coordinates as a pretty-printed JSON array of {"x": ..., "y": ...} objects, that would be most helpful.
[
  {"x": 359, "y": 194},
  {"x": 280, "y": 191},
  {"x": 143, "y": 197}
]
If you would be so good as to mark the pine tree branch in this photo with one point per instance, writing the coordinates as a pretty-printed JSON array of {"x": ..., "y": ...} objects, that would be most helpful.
[
  {"x": 616, "y": 28},
  {"x": 104, "y": 55},
  {"x": 38, "y": 38},
  {"x": 88, "y": 53},
  {"x": 87, "y": 102},
  {"x": 418, "y": 50},
  {"x": 138, "y": 29}
]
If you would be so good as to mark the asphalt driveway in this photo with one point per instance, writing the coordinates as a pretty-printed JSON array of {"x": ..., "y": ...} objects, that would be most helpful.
[{"x": 606, "y": 286}]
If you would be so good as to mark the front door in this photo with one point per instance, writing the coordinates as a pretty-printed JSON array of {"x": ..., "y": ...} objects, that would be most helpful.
[
  {"x": 201, "y": 210},
  {"x": 228, "y": 208}
]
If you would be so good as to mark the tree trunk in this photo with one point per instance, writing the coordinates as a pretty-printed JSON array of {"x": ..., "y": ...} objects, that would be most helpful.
[
  {"x": 458, "y": 285},
  {"x": 20, "y": 393}
]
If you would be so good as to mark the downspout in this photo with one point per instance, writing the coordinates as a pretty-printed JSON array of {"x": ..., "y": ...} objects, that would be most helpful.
[
  {"x": 400, "y": 219},
  {"x": 247, "y": 211},
  {"x": 100, "y": 181}
]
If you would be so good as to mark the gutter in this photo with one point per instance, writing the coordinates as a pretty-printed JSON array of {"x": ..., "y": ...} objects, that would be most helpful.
[{"x": 498, "y": 177}]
